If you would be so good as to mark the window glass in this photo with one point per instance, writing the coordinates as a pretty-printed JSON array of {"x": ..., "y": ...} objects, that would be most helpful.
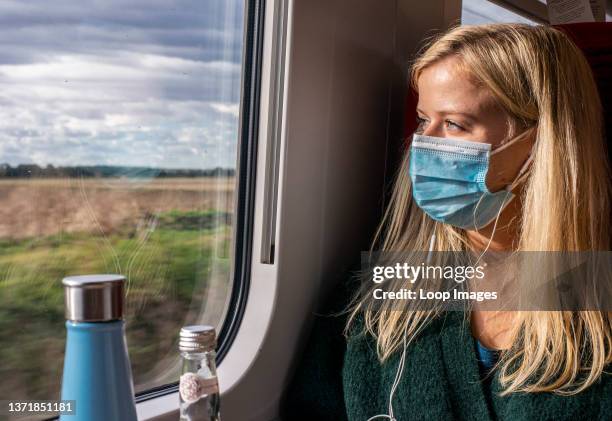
[
  {"x": 475, "y": 12},
  {"x": 118, "y": 149}
]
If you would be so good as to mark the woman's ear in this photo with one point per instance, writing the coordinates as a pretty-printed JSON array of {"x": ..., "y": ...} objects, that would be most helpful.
[{"x": 506, "y": 162}]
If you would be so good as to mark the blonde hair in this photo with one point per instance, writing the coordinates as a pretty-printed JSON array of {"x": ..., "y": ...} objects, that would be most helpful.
[{"x": 542, "y": 80}]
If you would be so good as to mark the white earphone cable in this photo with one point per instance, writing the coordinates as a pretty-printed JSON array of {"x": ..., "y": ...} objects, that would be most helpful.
[
  {"x": 402, "y": 362},
  {"x": 494, "y": 228}
]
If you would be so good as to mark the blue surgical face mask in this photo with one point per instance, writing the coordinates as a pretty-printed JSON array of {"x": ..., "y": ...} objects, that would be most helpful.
[{"x": 448, "y": 181}]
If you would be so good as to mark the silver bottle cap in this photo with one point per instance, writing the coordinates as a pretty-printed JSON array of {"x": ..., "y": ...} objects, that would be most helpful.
[
  {"x": 94, "y": 298},
  {"x": 197, "y": 338}
]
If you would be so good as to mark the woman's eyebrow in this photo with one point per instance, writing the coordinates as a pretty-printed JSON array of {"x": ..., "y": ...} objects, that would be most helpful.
[{"x": 451, "y": 112}]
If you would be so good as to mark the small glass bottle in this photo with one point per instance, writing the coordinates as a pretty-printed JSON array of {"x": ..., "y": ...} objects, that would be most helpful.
[{"x": 198, "y": 385}]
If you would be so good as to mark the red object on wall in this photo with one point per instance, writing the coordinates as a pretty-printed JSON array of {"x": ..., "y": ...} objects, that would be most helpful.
[{"x": 595, "y": 41}]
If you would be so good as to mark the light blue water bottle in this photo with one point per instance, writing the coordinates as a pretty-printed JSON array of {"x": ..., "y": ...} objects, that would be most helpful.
[{"x": 97, "y": 373}]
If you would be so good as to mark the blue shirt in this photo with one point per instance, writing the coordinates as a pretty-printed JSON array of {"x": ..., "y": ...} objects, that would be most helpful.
[{"x": 486, "y": 358}]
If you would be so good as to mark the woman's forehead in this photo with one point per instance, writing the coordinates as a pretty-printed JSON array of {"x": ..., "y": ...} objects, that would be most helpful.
[{"x": 446, "y": 88}]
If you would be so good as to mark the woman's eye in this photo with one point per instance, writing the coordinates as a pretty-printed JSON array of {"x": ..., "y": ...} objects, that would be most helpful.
[
  {"x": 421, "y": 122},
  {"x": 453, "y": 126}
]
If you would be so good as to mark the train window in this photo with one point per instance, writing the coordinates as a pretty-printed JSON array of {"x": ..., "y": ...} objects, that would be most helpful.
[
  {"x": 475, "y": 12},
  {"x": 120, "y": 153}
]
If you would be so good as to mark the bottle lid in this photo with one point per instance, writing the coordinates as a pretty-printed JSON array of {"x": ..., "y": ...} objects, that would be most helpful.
[
  {"x": 197, "y": 338},
  {"x": 94, "y": 298}
]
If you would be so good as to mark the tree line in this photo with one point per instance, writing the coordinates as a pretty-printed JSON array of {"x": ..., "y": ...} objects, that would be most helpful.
[{"x": 106, "y": 171}]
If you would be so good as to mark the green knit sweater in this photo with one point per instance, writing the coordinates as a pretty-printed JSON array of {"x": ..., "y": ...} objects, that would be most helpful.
[{"x": 343, "y": 380}]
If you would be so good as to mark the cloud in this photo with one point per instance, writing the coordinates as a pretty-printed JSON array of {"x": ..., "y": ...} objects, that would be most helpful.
[
  {"x": 144, "y": 82},
  {"x": 229, "y": 108}
]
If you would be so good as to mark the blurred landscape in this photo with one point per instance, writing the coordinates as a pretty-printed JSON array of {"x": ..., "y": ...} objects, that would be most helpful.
[
  {"x": 169, "y": 235},
  {"x": 119, "y": 130}
]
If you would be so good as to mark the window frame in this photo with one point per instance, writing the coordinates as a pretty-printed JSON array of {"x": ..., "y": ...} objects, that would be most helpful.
[
  {"x": 244, "y": 202},
  {"x": 529, "y": 9},
  {"x": 247, "y": 168}
]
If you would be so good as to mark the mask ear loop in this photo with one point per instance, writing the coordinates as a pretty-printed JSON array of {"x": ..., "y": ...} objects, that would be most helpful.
[
  {"x": 402, "y": 362},
  {"x": 509, "y": 142},
  {"x": 494, "y": 227},
  {"x": 519, "y": 178},
  {"x": 474, "y": 212}
]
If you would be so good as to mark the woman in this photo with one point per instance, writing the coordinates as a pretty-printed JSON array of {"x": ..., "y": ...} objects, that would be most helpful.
[{"x": 525, "y": 96}]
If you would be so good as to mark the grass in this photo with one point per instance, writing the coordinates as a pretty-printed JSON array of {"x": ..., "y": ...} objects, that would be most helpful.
[{"x": 167, "y": 261}]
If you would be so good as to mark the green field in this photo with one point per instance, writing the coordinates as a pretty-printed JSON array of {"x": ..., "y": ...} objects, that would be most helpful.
[{"x": 175, "y": 261}]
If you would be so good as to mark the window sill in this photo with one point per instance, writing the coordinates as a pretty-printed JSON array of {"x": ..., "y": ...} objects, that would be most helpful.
[{"x": 163, "y": 408}]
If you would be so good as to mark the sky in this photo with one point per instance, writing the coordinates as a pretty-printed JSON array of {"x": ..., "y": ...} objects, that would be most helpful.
[{"x": 152, "y": 83}]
